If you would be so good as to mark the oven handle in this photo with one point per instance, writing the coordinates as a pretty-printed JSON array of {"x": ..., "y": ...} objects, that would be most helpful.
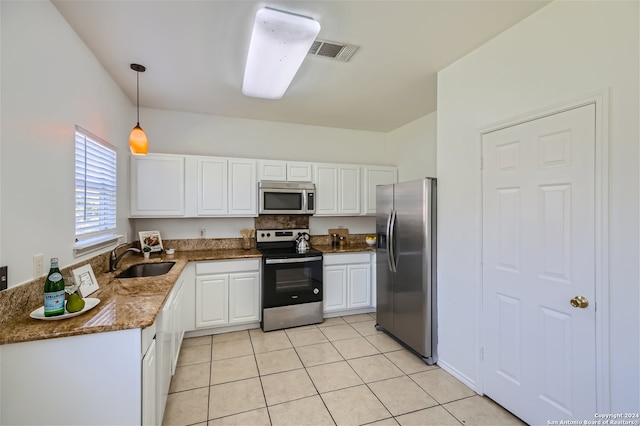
[{"x": 293, "y": 260}]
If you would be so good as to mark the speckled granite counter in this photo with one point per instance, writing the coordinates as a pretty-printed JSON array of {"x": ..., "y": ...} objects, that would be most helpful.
[
  {"x": 348, "y": 248},
  {"x": 124, "y": 303}
]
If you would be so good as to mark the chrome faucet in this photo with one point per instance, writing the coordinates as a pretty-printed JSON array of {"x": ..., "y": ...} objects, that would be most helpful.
[{"x": 113, "y": 259}]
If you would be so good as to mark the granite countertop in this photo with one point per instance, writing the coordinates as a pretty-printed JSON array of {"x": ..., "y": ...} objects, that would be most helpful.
[
  {"x": 347, "y": 248},
  {"x": 124, "y": 303}
]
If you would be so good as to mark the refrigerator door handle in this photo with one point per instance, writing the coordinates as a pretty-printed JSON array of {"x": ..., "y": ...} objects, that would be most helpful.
[
  {"x": 388, "y": 240},
  {"x": 392, "y": 241}
]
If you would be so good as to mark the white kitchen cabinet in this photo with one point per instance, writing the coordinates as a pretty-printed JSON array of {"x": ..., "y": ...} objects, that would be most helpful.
[
  {"x": 227, "y": 292},
  {"x": 372, "y": 177},
  {"x": 294, "y": 171},
  {"x": 149, "y": 386},
  {"x": 243, "y": 189},
  {"x": 212, "y": 186},
  {"x": 157, "y": 186},
  {"x": 178, "y": 327},
  {"x": 347, "y": 281},
  {"x": 338, "y": 189}
]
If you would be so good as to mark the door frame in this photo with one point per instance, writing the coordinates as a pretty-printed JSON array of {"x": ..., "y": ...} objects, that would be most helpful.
[{"x": 601, "y": 200}]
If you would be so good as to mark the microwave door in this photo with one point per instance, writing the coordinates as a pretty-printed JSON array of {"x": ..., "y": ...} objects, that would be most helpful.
[{"x": 274, "y": 201}]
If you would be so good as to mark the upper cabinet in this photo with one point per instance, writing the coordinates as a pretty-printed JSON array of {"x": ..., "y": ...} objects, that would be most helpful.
[
  {"x": 372, "y": 177},
  {"x": 157, "y": 185},
  {"x": 338, "y": 189},
  {"x": 285, "y": 170}
]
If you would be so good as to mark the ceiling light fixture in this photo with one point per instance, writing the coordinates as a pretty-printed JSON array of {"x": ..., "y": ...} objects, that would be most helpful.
[
  {"x": 137, "y": 139},
  {"x": 279, "y": 43}
]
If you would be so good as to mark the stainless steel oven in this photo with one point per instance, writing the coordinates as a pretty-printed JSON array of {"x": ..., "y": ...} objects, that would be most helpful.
[{"x": 291, "y": 281}]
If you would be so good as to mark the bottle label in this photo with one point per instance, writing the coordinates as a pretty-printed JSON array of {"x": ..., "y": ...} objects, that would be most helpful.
[
  {"x": 55, "y": 277},
  {"x": 54, "y": 302}
]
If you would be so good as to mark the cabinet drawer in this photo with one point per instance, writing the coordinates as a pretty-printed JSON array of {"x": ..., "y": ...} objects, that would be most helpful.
[
  {"x": 227, "y": 266},
  {"x": 346, "y": 259}
]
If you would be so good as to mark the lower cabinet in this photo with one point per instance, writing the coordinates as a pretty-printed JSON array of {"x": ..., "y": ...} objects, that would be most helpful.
[
  {"x": 347, "y": 281},
  {"x": 227, "y": 293},
  {"x": 149, "y": 385}
]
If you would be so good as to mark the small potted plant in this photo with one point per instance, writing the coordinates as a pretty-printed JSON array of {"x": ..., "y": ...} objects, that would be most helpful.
[{"x": 146, "y": 251}]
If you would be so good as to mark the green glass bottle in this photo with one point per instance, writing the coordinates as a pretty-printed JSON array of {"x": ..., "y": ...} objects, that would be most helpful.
[{"x": 54, "y": 291}]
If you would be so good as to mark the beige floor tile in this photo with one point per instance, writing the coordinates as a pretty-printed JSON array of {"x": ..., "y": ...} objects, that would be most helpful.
[
  {"x": 232, "y": 348},
  {"x": 235, "y": 397},
  {"x": 442, "y": 385},
  {"x": 478, "y": 410},
  {"x": 408, "y": 362},
  {"x": 354, "y": 406},
  {"x": 287, "y": 386},
  {"x": 227, "y": 337},
  {"x": 259, "y": 417},
  {"x": 232, "y": 369},
  {"x": 356, "y": 318},
  {"x": 269, "y": 341},
  {"x": 384, "y": 343},
  {"x": 375, "y": 368},
  {"x": 401, "y": 395},
  {"x": 340, "y": 332},
  {"x": 331, "y": 377},
  {"x": 189, "y": 377},
  {"x": 366, "y": 328},
  {"x": 196, "y": 341},
  {"x": 322, "y": 353},
  {"x": 355, "y": 348},
  {"x": 384, "y": 422},
  {"x": 330, "y": 322},
  {"x": 307, "y": 411},
  {"x": 309, "y": 336},
  {"x": 434, "y": 416},
  {"x": 278, "y": 361},
  {"x": 194, "y": 355},
  {"x": 185, "y": 408}
]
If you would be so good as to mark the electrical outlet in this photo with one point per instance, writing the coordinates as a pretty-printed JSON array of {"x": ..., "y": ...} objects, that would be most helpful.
[
  {"x": 3, "y": 278},
  {"x": 203, "y": 233},
  {"x": 38, "y": 265}
]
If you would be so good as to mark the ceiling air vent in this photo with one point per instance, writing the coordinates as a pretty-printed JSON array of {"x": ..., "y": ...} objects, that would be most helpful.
[{"x": 329, "y": 49}]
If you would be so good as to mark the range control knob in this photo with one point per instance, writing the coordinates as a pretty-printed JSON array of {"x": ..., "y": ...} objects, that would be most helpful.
[{"x": 316, "y": 291}]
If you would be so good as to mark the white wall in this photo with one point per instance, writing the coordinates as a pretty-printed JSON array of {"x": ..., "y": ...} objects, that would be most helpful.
[
  {"x": 50, "y": 82},
  {"x": 564, "y": 51},
  {"x": 412, "y": 148}
]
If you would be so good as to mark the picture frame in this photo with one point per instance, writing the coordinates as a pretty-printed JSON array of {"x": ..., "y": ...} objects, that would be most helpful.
[
  {"x": 150, "y": 241},
  {"x": 86, "y": 280}
]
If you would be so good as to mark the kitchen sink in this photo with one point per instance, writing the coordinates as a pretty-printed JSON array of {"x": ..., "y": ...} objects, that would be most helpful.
[{"x": 146, "y": 270}]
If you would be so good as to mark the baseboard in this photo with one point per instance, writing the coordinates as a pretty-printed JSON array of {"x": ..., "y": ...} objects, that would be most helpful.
[{"x": 457, "y": 374}]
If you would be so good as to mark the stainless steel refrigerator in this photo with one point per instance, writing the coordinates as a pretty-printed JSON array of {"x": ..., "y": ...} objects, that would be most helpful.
[{"x": 406, "y": 264}]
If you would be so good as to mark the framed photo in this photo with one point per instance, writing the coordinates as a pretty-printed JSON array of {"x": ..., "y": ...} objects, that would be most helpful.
[
  {"x": 150, "y": 241},
  {"x": 86, "y": 280}
]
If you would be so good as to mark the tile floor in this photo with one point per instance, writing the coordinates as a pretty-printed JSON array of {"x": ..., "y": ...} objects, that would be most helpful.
[{"x": 342, "y": 372}]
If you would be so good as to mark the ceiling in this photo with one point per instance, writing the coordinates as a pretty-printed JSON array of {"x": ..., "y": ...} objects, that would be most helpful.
[{"x": 195, "y": 52}]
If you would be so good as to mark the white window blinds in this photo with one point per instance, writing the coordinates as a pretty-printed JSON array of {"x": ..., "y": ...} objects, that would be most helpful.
[{"x": 95, "y": 186}]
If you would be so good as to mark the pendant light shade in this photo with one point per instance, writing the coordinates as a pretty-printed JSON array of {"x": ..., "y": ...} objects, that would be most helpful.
[{"x": 138, "y": 142}]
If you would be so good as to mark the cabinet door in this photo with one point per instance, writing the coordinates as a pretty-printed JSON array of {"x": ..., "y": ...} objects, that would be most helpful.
[
  {"x": 244, "y": 297},
  {"x": 149, "y": 386},
  {"x": 349, "y": 190},
  {"x": 212, "y": 300},
  {"x": 243, "y": 188},
  {"x": 335, "y": 288},
  {"x": 374, "y": 176},
  {"x": 299, "y": 172},
  {"x": 212, "y": 186},
  {"x": 359, "y": 291},
  {"x": 177, "y": 334},
  {"x": 326, "y": 189},
  {"x": 272, "y": 170},
  {"x": 157, "y": 185}
]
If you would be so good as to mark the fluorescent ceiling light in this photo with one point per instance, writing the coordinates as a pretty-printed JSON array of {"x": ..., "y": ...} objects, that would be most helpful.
[{"x": 279, "y": 43}]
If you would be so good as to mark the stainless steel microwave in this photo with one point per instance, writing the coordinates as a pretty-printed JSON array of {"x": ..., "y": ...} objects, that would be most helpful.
[{"x": 277, "y": 197}]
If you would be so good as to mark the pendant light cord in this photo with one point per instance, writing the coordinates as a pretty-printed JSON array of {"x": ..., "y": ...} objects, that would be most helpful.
[{"x": 138, "y": 94}]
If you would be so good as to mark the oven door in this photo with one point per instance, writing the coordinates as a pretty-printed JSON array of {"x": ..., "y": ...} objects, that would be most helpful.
[{"x": 291, "y": 281}]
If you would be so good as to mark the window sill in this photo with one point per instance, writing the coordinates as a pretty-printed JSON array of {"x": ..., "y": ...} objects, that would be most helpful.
[{"x": 90, "y": 245}]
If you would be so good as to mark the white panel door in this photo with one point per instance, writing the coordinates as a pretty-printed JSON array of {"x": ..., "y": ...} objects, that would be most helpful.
[
  {"x": 212, "y": 186},
  {"x": 244, "y": 297},
  {"x": 299, "y": 172},
  {"x": 374, "y": 176},
  {"x": 243, "y": 189},
  {"x": 212, "y": 300},
  {"x": 157, "y": 185},
  {"x": 538, "y": 255},
  {"x": 349, "y": 190},
  {"x": 335, "y": 288},
  {"x": 272, "y": 170},
  {"x": 359, "y": 291},
  {"x": 326, "y": 189}
]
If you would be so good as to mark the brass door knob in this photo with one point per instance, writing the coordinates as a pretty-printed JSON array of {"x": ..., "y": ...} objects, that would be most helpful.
[{"x": 579, "y": 302}]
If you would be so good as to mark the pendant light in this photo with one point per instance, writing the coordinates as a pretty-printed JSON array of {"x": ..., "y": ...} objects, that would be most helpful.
[{"x": 137, "y": 139}]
